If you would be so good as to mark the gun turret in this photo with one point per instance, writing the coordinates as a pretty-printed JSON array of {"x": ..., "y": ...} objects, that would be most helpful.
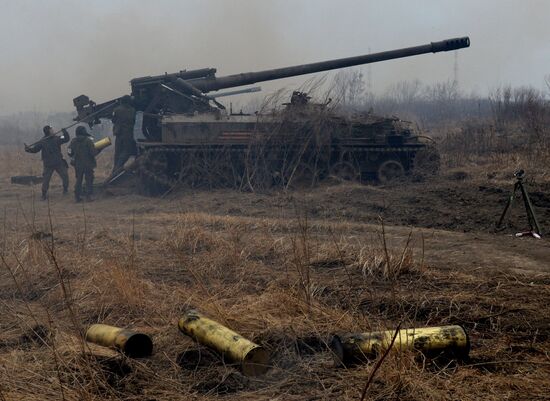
[{"x": 185, "y": 91}]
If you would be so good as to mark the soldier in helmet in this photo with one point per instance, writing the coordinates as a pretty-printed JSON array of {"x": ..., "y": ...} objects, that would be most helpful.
[
  {"x": 52, "y": 159},
  {"x": 124, "y": 118},
  {"x": 83, "y": 153}
]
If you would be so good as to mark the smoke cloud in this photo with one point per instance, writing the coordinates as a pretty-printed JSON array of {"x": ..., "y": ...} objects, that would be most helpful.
[{"x": 55, "y": 50}]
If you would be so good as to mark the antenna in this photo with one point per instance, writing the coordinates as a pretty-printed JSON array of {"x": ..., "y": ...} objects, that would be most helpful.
[
  {"x": 455, "y": 80},
  {"x": 369, "y": 77}
]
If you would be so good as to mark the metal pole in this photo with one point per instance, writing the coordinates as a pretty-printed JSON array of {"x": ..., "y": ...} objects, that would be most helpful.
[
  {"x": 531, "y": 217},
  {"x": 73, "y": 124},
  {"x": 508, "y": 204}
]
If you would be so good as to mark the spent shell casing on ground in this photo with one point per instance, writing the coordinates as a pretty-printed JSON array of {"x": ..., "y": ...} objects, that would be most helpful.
[
  {"x": 253, "y": 359},
  {"x": 451, "y": 341},
  {"x": 130, "y": 343}
]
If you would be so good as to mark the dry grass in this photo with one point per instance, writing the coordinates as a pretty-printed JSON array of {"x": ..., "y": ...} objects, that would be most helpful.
[
  {"x": 286, "y": 281},
  {"x": 497, "y": 146},
  {"x": 16, "y": 162}
]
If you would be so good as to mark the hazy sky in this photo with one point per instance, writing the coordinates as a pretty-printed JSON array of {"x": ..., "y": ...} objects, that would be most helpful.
[{"x": 54, "y": 50}]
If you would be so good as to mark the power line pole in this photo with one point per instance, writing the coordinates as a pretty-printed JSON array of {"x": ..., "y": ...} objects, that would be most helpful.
[
  {"x": 369, "y": 77},
  {"x": 455, "y": 80}
]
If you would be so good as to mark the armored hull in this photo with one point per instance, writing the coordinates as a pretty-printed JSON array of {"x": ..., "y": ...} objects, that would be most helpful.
[{"x": 299, "y": 146}]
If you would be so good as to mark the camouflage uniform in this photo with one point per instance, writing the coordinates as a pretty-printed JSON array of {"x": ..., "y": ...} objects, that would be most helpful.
[
  {"x": 83, "y": 153},
  {"x": 52, "y": 159},
  {"x": 124, "y": 118}
]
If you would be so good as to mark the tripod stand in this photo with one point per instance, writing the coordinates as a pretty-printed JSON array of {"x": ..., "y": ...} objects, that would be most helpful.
[{"x": 531, "y": 217}]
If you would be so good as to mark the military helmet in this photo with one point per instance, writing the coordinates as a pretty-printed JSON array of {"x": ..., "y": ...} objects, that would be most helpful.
[
  {"x": 126, "y": 99},
  {"x": 46, "y": 130},
  {"x": 81, "y": 131}
]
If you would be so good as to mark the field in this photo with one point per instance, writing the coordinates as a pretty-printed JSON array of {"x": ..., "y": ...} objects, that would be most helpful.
[{"x": 285, "y": 269}]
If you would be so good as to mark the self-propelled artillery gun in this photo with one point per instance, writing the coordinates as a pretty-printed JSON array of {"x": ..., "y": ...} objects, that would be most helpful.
[{"x": 190, "y": 138}]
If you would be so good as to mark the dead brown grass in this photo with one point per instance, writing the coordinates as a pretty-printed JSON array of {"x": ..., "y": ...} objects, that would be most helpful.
[
  {"x": 286, "y": 281},
  {"x": 497, "y": 147},
  {"x": 15, "y": 161}
]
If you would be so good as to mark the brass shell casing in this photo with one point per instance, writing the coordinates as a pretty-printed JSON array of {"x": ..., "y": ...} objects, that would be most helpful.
[
  {"x": 130, "y": 343},
  {"x": 430, "y": 341},
  {"x": 253, "y": 358},
  {"x": 102, "y": 143}
]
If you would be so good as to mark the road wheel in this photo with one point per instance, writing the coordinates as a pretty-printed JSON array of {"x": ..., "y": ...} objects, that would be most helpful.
[
  {"x": 303, "y": 177},
  {"x": 390, "y": 170},
  {"x": 344, "y": 171},
  {"x": 427, "y": 161}
]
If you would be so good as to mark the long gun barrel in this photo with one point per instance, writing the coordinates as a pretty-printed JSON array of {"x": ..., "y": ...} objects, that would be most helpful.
[
  {"x": 185, "y": 91},
  {"x": 208, "y": 84}
]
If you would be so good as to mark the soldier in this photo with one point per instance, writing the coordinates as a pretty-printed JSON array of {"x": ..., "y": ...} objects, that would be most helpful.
[
  {"x": 52, "y": 159},
  {"x": 124, "y": 118},
  {"x": 83, "y": 152}
]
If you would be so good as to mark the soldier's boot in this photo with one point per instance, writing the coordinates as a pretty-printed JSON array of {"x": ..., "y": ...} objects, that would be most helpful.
[
  {"x": 77, "y": 199},
  {"x": 65, "y": 191},
  {"x": 44, "y": 196}
]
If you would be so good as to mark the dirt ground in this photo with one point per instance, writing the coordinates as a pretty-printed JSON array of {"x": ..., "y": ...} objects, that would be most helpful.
[{"x": 286, "y": 269}]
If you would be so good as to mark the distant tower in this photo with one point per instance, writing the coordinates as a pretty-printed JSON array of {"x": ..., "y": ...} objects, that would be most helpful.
[{"x": 455, "y": 79}]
